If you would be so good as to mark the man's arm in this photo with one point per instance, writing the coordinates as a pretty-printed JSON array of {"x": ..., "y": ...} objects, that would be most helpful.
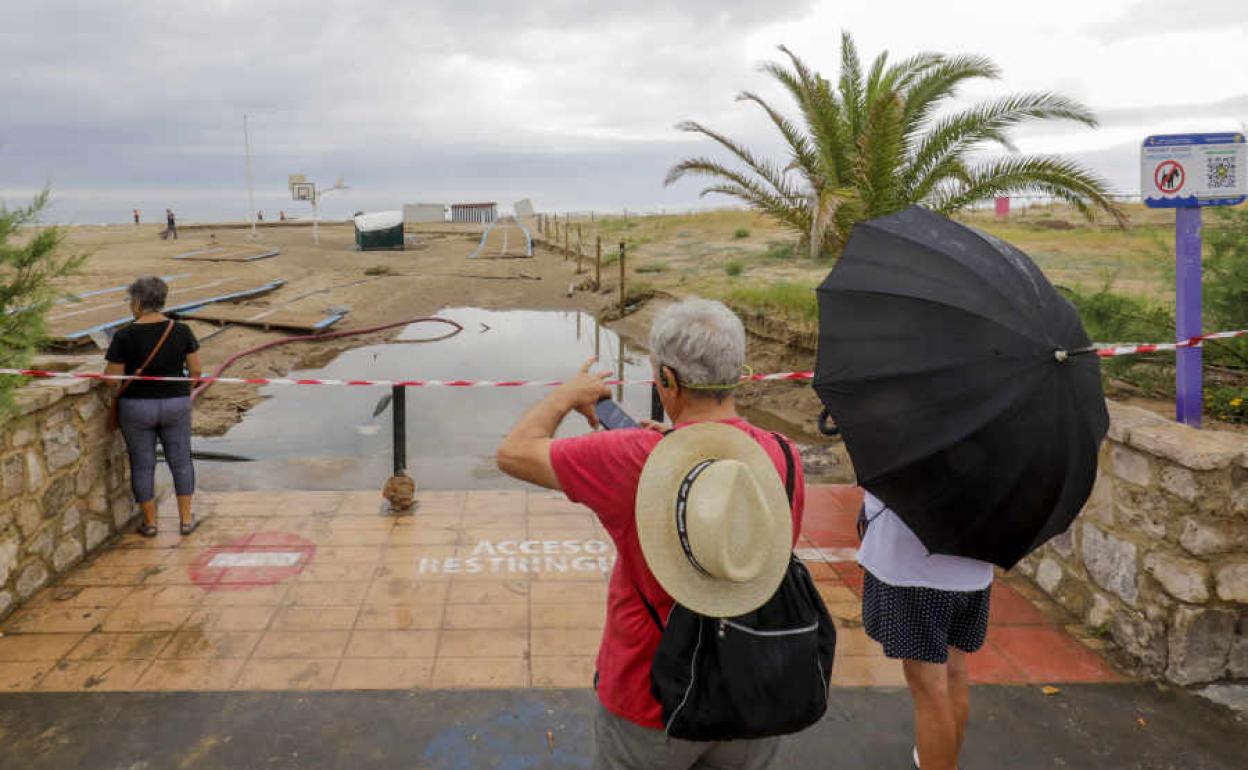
[{"x": 525, "y": 451}]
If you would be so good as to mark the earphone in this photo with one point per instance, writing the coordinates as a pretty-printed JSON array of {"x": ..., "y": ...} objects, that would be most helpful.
[{"x": 663, "y": 378}]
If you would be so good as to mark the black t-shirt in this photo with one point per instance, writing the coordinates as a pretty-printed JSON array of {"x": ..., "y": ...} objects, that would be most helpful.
[{"x": 132, "y": 345}]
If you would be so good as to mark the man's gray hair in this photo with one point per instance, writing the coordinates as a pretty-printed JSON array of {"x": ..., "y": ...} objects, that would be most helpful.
[
  {"x": 150, "y": 292},
  {"x": 703, "y": 341}
]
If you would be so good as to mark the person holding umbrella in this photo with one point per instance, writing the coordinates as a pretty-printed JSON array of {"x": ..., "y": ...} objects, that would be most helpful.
[{"x": 969, "y": 398}]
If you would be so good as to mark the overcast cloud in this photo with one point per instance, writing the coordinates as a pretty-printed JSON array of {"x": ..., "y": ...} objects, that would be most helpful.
[{"x": 139, "y": 103}]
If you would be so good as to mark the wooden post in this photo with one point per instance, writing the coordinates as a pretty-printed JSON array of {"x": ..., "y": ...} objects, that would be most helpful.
[
  {"x": 566, "y": 250},
  {"x": 579, "y": 270},
  {"x": 598, "y": 265},
  {"x": 623, "y": 292}
]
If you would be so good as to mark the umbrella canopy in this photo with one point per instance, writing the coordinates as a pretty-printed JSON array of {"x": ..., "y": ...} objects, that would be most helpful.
[{"x": 947, "y": 359}]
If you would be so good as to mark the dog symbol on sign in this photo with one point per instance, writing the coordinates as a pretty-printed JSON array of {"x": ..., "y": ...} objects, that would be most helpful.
[{"x": 1169, "y": 177}]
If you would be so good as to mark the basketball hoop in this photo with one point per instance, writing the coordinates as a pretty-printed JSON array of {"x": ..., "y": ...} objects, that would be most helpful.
[{"x": 303, "y": 191}]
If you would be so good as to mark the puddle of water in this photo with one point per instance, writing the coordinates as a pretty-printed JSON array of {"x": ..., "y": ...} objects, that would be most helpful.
[{"x": 329, "y": 438}]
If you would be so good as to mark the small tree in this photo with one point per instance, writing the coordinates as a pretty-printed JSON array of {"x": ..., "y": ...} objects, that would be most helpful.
[{"x": 29, "y": 264}]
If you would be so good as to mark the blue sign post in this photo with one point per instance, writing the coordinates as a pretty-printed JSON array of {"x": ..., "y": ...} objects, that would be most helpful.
[{"x": 1187, "y": 172}]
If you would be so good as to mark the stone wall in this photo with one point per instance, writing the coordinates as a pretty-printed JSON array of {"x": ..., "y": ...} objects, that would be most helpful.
[
  {"x": 63, "y": 484},
  {"x": 1158, "y": 559}
]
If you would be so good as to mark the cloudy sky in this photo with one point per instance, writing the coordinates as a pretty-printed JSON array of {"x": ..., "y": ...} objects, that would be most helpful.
[{"x": 140, "y": 102}]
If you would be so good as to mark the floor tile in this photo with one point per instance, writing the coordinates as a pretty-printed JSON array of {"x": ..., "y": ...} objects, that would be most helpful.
[
  {"x": 989, "y": 666},
  {"x": 494, "y": 643},
  {"x": 490, "y": 501},
  {"x": 1007, "y": 607},
  {"x": 400, "y": 617},
  {"x": 553, "y": 504},
  {"x": 204, "y": 674},
  {"x": 81, "y": 596},
  {"x": 555, "y": 592},
  {"x": 55, "y": 620},
  {"x": 854, "y": 641},
  {"x": 287, "y": 674},
  {"x": 377, "y": 674},
  {"x": 326, "y": 594},
  {"x": 563, "y": 672},
  {"x": 122, "y": 575},
  {"x": 231, "y": 618},
  {"x": 1047, "y": 654},
  {"x": 20, "y": 676},
  {"x": 146, "y": 619},
  {"x": 866, "y": 671},
  {"x": 198, "y": 643},
  {"x": 302, "y": 644},
  {"x": 511, "y": 615},
  {"x": 130, "y": 646},
  {"x": 481, "y": 673},
  {"x": 147, "y": 596},
  {"x": 248, "y": 596},
  {"x": 101, "y": 675},
  {"x": 488, "y": 591},
  {"x": 850, "y": 612},
  {"x": 580, "y": 615},
  {"x": 353, "y": 554},
  {"x": 29, "y": 647},
  {"x": 392, "y": 644},
  {"x": 408, "y": 592},
  {"x": 314, "y": 618},
  {"x": 562, "y": 642},
  {"x": 834, "y": 593}
]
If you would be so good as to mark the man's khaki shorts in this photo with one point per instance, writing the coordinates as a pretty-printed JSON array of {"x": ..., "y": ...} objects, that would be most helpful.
[{"x": 623, "y": 745}]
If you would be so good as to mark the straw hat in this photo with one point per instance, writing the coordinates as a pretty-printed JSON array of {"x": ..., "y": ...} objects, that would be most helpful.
[{"x": 738, "y": 530}]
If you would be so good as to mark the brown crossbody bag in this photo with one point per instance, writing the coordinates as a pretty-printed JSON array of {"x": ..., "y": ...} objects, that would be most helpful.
[{"x": 114, "y": 418}]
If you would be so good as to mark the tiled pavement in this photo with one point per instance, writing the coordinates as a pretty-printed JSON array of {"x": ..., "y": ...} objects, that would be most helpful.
[{"x": 481, "y": 590}]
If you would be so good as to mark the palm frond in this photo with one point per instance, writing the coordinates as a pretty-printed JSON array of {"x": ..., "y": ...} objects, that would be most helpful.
[
  {"x": 1060, "y": 178},
  {"x": 851, "y": 85},
  {"x": 804, "y": 156},
  {"x": 766, "y": 170},
  {"x": 938, "y": 80}
]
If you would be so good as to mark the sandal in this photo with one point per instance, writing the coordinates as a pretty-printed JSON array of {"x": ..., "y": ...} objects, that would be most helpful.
[
  {"x": 187, "y": 527},
  {"x": 146, "y": 530}
]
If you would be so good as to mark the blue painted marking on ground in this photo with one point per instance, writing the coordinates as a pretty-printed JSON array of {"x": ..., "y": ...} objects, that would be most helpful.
[{"x": 512, "y": 740}]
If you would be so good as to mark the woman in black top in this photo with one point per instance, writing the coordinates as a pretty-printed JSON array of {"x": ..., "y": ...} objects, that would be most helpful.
[{"x": 149, "y": 411}]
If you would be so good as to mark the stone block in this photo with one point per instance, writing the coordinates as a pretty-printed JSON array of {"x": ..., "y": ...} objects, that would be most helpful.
[
  {"x": 1179, "y": 481},
  {"x": 1208, "y": 537},
  {"x": 1232, "y": 580},
  {"x": 9, "y": 548},
  {"x": 124, "y": 511},
  {"x": 1064, "y": 543},
  {"x": 12, "y": 476},
  {"x": 1237, "y": 661},
  {"x": 1074, "y": 596},
  {"x": 71, "y": 519},
  {"x": 1185, "y": 579},
  {"x": 60, "y": 446},
  {"x": 1132, "y": 466},
  {"x": 1141, "y": 509},
  {"x": 88, "y": 407},
  {"x": 1143, "y": 640},
  {"x": 43, "y": 542},
  {"x": 78, "y": 387},
  {"x": 57, "y": 497},
  {"x": 1111, "y": 562},
  {"x": 1239, "y": 489},
  {"x": 1123, "y": 418},
  {"x": 97, "y": 500},
  {"x": 33, "y": 577},
  {"x": 1200, "y": 644},
  {"x": 67, "y": 554},
  {"x": 97, "y": 532},
  {"x": 1027, "y": 565},
  {"x": 1199, "y": 450},
  {"x": 1048, "y": 575},
  {"x": 6, "y": 603},
  {"x": 1100, "y": 611},
  {"x": 22, "y": 436},
  {"x": 29, "y": 518},
  {"x": 34, "y": 472},
  {"x": 1100, "y": 505},
  {"x": 56, "y": 419}
]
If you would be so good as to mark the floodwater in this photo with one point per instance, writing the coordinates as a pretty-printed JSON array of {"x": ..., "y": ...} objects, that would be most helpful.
[{"x": 330, "y": 437}]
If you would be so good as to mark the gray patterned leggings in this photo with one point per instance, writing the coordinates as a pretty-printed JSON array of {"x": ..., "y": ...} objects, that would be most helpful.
[{"x": 143, "y": 420}]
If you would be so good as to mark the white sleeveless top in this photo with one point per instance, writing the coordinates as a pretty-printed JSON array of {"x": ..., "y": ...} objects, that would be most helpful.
[{"x": 893, "y": 554}]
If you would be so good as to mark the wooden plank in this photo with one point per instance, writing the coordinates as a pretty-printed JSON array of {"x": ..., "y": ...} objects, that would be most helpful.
[
  {"x": 284, "y": 320},
  {"x": 228, "y": 254},
  {"x": 72, "y": 324}
]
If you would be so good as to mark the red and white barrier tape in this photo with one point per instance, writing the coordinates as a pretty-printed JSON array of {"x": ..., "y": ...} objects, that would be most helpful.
[{"x": 1103, "y": 352}]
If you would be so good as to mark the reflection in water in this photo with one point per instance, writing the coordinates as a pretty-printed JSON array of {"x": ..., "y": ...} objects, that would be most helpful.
[{"x": 340, "y": 437}]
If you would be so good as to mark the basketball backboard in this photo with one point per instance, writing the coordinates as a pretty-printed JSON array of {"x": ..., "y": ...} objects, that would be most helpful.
[{"x": 303, "y": 191}]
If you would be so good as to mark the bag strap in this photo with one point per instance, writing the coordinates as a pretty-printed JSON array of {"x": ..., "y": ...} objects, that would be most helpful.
[
  {"x": 790, "y": 477},
  {"x": 139, "y": 372}
]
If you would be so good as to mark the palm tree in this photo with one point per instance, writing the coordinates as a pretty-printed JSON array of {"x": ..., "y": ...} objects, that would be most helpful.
[{"x": 878, "y": 141}]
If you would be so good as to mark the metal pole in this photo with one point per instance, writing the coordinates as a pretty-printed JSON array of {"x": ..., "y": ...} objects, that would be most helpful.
[
  {"x": 622, "y": 289},
  {"x": 579, "y": 270},
  {"x": 1188, "y": 396},
  {"x": 399, "y": 407},
  {"x": 598, "y": 265},
  {"x": 316, "y": 216},
  {"x": 251, "y": 186}
]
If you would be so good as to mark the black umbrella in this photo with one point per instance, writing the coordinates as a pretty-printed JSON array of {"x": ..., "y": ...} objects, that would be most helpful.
[{"x": 963, "y": 383}]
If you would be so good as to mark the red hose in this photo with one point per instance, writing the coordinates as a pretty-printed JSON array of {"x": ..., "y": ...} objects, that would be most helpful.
[{"x": 317, "y": 338}]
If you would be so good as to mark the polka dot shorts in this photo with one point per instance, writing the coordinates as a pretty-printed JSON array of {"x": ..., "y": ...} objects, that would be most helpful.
[{"x": 923, "y": 623}]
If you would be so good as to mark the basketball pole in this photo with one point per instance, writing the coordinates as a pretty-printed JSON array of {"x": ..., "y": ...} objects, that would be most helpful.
[{"x": 251, "y": 184}]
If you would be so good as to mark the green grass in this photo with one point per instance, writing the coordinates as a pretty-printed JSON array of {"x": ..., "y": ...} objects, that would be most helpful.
[
  {"x": 741, "y": 232},
  {"x": 733, "y": 267},
  {"x": 794, "y": 301}
]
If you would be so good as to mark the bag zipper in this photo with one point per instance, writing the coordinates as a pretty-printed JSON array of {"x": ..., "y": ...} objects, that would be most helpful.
[{"x": 725, "y": 624}]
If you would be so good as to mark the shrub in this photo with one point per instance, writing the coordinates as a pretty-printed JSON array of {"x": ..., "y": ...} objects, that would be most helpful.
[
  {"x": 741, "y": 232},
  {"x": 733, "y": 267},
  {"x": 1227, "y": 404},
  {"x": 791, "y": 300},
  {"x": 28, "y": 268},
  {"x": 778, "y": 250}
]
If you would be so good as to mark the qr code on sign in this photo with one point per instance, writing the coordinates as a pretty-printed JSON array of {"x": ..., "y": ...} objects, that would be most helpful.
[{"x": 1221, "y": 173}]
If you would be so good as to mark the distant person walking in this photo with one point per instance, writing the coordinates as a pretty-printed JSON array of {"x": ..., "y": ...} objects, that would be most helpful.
[
  {"x": 171, "y": 225},
  {"x": 136, "y": 216},
  {"x": 282, "y": 215},
  {"x": 156, "y": 345},
  {"x": 930, "y": 611},
  {"x": 260, "y": 216}
]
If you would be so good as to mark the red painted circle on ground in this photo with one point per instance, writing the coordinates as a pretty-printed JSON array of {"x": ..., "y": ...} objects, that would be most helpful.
[
  {"x": 1169, "y": 177},
  {"x": 258, "y": 559}
]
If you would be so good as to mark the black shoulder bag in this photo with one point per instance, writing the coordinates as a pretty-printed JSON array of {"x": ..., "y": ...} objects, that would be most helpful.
[{"x": 756, "y": 675}]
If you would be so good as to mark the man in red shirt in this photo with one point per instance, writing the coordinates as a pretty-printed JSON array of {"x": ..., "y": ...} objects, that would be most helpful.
[{"x": 697, "y": 350}]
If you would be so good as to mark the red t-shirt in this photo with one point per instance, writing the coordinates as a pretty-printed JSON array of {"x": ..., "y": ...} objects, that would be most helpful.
[{"x": 601, "y": 470}]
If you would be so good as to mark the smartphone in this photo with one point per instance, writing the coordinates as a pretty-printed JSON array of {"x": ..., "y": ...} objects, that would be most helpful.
[{"x": 612, "y": 416}]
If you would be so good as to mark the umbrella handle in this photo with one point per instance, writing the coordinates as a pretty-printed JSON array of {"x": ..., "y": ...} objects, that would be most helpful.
[{"x": 826, "y": 426}]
